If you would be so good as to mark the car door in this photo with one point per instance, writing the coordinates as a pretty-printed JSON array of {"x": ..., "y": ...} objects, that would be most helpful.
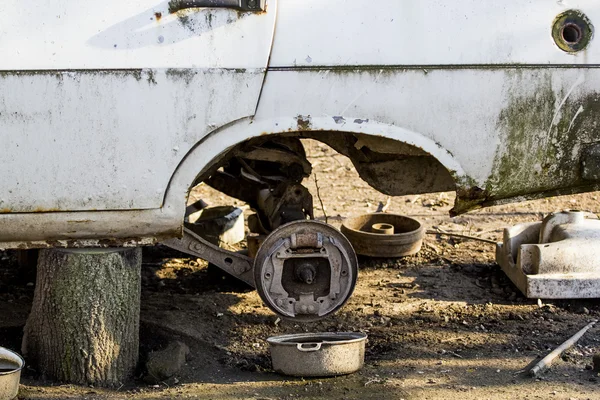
[{"x": 100, "y": 101}]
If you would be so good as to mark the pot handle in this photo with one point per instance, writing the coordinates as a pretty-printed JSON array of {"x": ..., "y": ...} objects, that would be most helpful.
[{"x": 307, "y": 347}]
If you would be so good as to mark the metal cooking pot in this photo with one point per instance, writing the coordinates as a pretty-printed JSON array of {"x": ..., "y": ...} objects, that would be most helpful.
[
  {"x": 318, "y": 354},
  {"x": 11, "y": 365}
]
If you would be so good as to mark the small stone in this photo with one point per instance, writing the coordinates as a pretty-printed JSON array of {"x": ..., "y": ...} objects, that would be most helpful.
[{"x": 163, "y": 364}]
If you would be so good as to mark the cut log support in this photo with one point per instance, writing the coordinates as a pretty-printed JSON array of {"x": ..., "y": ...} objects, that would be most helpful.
[{"x": 84, "y": 322}]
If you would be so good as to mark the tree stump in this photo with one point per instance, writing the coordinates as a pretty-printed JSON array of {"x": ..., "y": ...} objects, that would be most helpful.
[{"x": 84, "y": 323}]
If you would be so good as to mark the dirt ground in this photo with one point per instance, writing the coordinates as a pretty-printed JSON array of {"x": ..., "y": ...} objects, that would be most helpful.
[{"x": 444, "y": 324}]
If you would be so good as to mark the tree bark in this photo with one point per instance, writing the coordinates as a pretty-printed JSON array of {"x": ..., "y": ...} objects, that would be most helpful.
[{"x": 84, "y": 322}]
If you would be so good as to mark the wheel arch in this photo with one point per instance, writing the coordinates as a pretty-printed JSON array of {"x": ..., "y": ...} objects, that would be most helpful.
[{"x": 213, "y": 148}]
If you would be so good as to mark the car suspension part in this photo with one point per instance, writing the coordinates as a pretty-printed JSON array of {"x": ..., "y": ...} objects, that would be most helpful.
[{"x": 303, "y": 270}]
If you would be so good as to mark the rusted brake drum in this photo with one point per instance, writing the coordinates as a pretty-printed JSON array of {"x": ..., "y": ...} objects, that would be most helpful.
[
  {"x": 305, "y": 270},
  {"x": 384, "y": 235}
]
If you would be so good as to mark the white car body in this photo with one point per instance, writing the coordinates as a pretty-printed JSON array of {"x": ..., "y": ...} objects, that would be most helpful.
[{"x": 109, "y": 111}]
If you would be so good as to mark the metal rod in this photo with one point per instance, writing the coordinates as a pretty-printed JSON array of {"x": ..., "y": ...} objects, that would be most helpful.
[
  {"x": 461, "y": 236},
  {"x": 547, "y": 361}
]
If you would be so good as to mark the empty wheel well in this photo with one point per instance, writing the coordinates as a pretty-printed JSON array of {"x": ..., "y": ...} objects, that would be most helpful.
[{"x": 390, "y": 166}]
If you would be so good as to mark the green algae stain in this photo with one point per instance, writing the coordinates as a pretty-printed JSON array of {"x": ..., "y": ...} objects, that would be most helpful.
[{"x": 542, "y": 135}]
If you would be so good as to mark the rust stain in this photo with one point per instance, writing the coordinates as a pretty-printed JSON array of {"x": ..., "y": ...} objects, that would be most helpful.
[
  {"x": 468, "y": 199},
  {"x": 304, "y": 122},
  {"x": 158, "y": 16},
  {"x": 5, "y": 210},
  {"x": 44, "y": 210}
]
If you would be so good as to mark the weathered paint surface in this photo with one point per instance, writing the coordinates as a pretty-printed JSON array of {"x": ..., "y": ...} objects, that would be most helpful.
[
  {"x": 425, "y": 32},
  {"x": 86, "y": 126},
  {"x": 108, "y": 140},
  {"x": 99, "y": 103},
  {"x": 543, "y": 130},
  {"x": 116, "y": 34},
  {"x": 513, "y": 131}
]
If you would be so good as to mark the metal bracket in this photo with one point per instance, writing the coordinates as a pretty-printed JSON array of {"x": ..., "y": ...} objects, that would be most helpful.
[
  {"x": 242, "y": 5},
  {"x": 236, "y": 264}
]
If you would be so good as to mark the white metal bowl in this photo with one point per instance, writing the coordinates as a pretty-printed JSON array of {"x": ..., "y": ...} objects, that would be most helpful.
[{"x": 318, "y": 354}]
